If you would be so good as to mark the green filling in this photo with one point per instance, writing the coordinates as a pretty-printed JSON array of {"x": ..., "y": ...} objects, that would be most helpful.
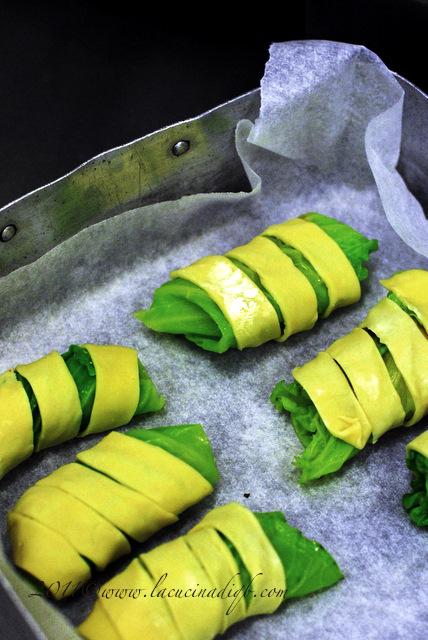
[
  {"x": 416, "y": 502},
  {"x": 392, "y": 296},
  {"x": 354, "y": 245},
  {"x": 181, "y": 307},
  {"x": 82, "y": 370},
  {"x": 323, "y": 453},
  {"x": 307, "y": 565},
  {"x": 188, "y": 442},
  {"x": 37, "y": 421}
]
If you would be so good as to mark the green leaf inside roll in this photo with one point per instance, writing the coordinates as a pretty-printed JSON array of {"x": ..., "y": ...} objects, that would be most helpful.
[
  {"x": 82, "y": 369},
  {"x": 188, "y": 442},
  {"x": 416, "y": 502},
  {"x": 323, "y": 453},
  {"x": 307, "y": 565},
  {"x": 181, "y": 307}
]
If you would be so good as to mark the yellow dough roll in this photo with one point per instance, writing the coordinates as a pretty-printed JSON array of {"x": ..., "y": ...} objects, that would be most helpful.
[
  {"x": 57, "y": 398},
  {"x": 241, "y": 527},
  {"x": 420, "y": 444},
  {"x": 137, "y": 615},
  {"x": 219, "y": 564},
  {"x": 93, "y": 513},
  {"x": 85, "y": 530},
  {"x": 329, "y": 390},
  {"x": 287, "y": 285},
  {"x": 41, "y": 551},
  {"x": 359, "y": 358},
  {"x": 16, "y": 423},
  {"x": 117, "y": 390},
  {"x": 192, "y": 588},
  {"x": 148, "y": 469},
  {"x": 407, "y": 345},
  {"x": 251, "y": 315},
  {"x": 136, "y": 515},
  {"x": 99, "y": 625},
  {"x": 326, "y": 257},
  {"x": 411, "y": 287},
  {"x": 192, "y": 615}
]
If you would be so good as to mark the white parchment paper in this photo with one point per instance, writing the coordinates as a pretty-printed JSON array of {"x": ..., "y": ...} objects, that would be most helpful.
[{"x": 327, "y": 139}]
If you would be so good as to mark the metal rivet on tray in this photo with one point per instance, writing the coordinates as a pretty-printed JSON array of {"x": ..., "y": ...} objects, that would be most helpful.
[
  {"x": 7, "y": 233},
  {"x": 181, "y": 147}
]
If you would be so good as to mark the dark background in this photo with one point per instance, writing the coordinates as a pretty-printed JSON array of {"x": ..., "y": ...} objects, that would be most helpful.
[{"x": 78, "y": 78}]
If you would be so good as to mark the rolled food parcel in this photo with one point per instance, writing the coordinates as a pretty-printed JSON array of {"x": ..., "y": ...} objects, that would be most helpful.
[
  {"x": 254, "y": 561},
  {"x": 276, "y": 285},
  {"x": 89, "y": 389},
  {"x": 416, "y": 501},
  {"x": 370, "y": 381},
  {"x": 126, "y": 487}
]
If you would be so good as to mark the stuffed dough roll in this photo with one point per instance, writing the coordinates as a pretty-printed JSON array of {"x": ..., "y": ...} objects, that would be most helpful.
[
  {"x": 126, "y": 487},
  {"x": 370, "y": 381},
  {"x": 253, "y": 561},
  {"x": 89, "y": 389},
  {"x": 278, "y": 284}
]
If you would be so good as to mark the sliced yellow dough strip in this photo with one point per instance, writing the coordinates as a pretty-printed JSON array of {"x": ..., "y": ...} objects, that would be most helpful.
[
  {"x": 420, "y": 444},
  {"x": 117, "y": 388},
  {"x": 135, "y": 614},
  {"x": 329, "y": 390},
  {"x": 197, "y": 618},
  {"x": 98, "y": 626},
  {"x": 16, "y": 423},
  {"x": 326, "y": 257},
  {"x": 289, "y": 288},
  {"x": 252, "y": 317},
  {"x": 408, "y": 346},
  {"x": 133, "y": 513},
  {"x": 57, "y": 397},
  {"x": 358, "y": 356},
  {"x": 222, "y": 570},
  {"x": 45, "y": 554},
  {"x": 240, "y": 526},
  {"x": 83, "y": 528},
  {"x": 157, "y": 474},
  {"x": 411, "y": 287}
]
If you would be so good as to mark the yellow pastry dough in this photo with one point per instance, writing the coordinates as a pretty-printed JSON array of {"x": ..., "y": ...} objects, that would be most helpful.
[
  {"x": 192, "y": 615},
  {"x": 289, "y": 288},
  {"x": 57, "y": 398},
  {"x": 133, "y": 513},
  {"x": 334, "y": 400},
  {"x": 252, "y": 317},
  {"x": 16, "y": 423},
  {"x": 408, "y": 346},
  {"x": 98, "y": 625},
  {"x": 84, "y": 529},
  {"x": 222, "y": 570},
  {"x": 412, "y": 288},
  {"x": 241, "y": 527},
  {"x": 117, "y": 386},
  {"x": 136, "y": 615},
  {"x": 43, "y": 552},
  {"x": 326, "y": 257},
  {"x": 358, "y": 356},
  {"x": 420, "y": 444},
  {"x": 170, "y": 482}
]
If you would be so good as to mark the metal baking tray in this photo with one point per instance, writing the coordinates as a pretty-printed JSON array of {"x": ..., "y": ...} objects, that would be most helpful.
[{"x": 194, "y": 156}]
